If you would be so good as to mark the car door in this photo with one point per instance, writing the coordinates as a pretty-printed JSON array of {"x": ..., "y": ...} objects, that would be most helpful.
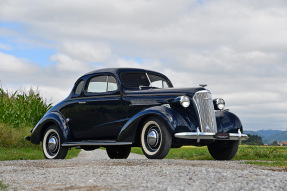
[{"x": 98, "y": 115}]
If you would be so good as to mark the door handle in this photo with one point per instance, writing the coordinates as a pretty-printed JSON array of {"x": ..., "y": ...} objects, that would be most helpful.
[{"x": 82, "y": 102}]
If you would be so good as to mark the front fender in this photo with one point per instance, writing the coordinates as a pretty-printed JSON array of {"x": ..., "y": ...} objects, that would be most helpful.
[
  {"x": 171, "y": 117},
  {"x": 52, "y": 118},
  {"x": 227, "y": 122}
]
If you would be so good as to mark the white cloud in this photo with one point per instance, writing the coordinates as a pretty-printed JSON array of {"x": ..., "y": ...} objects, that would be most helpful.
[
  {"x": 67, "y": 64},
  {"x": 5, "y": 46},
  {"x": 86, "y": 51},
  {"x": 13, "y": 65}
]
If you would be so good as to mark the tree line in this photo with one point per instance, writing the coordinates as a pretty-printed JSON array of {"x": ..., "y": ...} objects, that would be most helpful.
[{"x": 256, "y": 140}]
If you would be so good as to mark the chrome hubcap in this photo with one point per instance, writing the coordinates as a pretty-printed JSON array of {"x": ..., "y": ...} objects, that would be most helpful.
[
  {"x": 53, "y": 143},
  {"x": 152, "y": 137}
]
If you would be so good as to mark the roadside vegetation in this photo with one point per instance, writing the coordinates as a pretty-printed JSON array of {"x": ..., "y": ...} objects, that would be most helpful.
[
  {"x": 19, "y": 113},
  {"x": 3, "y": 186},
  {"x": 259, "y": 155}
]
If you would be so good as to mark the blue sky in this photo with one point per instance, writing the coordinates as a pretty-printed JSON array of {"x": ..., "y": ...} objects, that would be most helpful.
[
  {"x": 36, "y": 53},
  {"x": 238, "y": 48}
]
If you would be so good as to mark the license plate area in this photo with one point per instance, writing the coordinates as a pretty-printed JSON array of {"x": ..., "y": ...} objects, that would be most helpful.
[{"x": 222, "y": 136}]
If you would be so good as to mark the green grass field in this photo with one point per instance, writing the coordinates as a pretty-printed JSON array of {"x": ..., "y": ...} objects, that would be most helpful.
[
  {"x": 259, "y": 155},
  {"x": 29, "y": 153}
]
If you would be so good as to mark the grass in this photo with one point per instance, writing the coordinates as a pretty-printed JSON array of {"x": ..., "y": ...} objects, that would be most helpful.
[
  {"x": 3, "y": 186},
  {"x": 260, "y": 155},
  {"x": 19, "y": 113},
  {"x": 30, "y": 153}
]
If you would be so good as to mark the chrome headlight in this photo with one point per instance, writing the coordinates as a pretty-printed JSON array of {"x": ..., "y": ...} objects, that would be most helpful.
[
  {"x": 183, "y": 100},
  {"x": 219, "y": 104}
]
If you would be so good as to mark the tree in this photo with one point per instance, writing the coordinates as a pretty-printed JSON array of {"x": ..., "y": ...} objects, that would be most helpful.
[
  {"x": 253, "y": 140},
  {"x": 275, "y": 143}
]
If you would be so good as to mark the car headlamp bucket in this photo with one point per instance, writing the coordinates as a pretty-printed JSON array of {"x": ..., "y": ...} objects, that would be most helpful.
[
  {"x": 219, "y": 104},
  {"x": 184, "y": 101}
]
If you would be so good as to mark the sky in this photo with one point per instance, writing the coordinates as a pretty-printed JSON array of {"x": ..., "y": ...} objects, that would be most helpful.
[{"x": 238, "y": 48}]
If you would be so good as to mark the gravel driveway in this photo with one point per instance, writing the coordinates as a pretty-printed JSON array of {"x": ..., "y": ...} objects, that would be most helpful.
[{"x": 94, "y": 171}]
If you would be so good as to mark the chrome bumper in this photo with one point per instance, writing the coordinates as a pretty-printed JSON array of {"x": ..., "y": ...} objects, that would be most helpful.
[{"x": 210, "y": 136}]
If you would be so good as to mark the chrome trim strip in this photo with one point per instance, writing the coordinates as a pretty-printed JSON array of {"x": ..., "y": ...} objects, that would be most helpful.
[
  {"x": 209, "y": 136},
  {"x": 92, "y": 97},
  {"x": 94, "y": 143},
  {"x": 149, "y": 94}
]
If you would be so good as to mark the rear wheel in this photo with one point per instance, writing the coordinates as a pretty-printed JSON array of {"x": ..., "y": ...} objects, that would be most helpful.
[
  {"x": 223, "y": 150},
  {"x": 155, "y": 139},
  {"x": 118, "y": 152},
  {"x": 52, "y": 144}
]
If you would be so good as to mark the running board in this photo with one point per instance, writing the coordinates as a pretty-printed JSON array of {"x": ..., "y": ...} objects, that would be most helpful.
[{"x": 94, "y": 143}]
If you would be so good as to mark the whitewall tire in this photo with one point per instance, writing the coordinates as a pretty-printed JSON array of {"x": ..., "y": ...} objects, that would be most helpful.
[
  {"x": 155, "y": 139},
  {"x": 52, "y": 144}
]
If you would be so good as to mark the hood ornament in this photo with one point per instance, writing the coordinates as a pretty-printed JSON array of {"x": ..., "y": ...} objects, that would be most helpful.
[{"x": 203, "y": 85}]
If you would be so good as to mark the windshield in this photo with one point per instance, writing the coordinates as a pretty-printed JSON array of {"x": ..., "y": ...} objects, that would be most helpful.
[{"x": 144, "y": 81}]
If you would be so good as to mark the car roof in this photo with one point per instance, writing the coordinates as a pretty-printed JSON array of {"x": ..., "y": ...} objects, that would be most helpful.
[{"x": 117, "y": 71}]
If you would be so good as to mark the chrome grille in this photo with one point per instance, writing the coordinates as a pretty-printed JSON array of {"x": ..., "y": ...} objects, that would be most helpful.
[{"x": 204, "y": 104}]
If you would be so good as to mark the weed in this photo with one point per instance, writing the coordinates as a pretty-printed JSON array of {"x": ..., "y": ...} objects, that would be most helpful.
[{"x": 3, "y": 186}]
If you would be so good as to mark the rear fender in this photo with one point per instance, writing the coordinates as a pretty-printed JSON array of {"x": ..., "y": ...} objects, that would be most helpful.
[
  {"x": 227, "y": 122},
  {"x": 52, "y": 118},
  {"x": 172, "y": 119}
]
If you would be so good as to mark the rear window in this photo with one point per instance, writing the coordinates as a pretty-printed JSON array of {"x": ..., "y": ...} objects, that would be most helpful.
[{"x": 141, "y": 80}]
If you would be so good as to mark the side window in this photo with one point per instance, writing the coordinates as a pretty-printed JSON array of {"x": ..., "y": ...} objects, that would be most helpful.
[
  {"x": 100, "y": 84},
  {"x": 112, "y": 84},
  {"x": 79, "y": 88}
]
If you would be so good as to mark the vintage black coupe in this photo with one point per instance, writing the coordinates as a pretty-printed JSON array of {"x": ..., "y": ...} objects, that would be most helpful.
[{"x": 120, "y": 108}]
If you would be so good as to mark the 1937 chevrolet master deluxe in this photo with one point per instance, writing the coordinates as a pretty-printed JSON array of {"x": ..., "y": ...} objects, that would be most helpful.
[{"x": 120, "y": 108}]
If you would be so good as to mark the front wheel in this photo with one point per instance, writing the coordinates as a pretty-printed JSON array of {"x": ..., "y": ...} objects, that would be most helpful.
[
  {"x": 155, "y": 139},
  {"x": 223, "y": 150},
  {"x": 118, "y": 152},
  {"x": 52, "y": 141}
]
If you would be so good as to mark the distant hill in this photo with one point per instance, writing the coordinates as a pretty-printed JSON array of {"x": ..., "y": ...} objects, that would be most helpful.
[
  {"x": 268, "y": 136},
  {"x": 263, "y": 133},
  {"x": 268, "y": 133},
  {"x": 281, "y": 136}
]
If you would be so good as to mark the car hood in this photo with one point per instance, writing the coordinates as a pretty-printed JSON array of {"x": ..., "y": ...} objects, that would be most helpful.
[{"x": 167, "y": 91}]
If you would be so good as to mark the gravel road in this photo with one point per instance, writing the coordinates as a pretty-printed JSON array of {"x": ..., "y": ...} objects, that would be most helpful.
[{"x": 93, "y": 170}]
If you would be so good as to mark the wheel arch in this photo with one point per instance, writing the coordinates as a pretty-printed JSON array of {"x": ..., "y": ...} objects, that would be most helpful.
[
  {"x": 53, "y": 118},
  {"x": 228, "y": 122},
  {"x": 132, "y": 129}
]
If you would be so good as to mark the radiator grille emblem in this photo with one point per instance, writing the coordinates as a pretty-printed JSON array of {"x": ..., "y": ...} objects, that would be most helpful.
[{"x": 207, "y": 128}]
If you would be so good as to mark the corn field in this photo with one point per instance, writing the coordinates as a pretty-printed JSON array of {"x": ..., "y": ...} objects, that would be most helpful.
[{"x": 22, "y": 108}]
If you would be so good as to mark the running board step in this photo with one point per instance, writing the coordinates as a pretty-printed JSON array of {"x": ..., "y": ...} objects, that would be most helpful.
[{"x": 94, "y": 143}]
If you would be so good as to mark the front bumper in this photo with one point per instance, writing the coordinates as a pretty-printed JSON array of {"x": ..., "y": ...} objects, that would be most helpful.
[{"x": 210, "y": 136}]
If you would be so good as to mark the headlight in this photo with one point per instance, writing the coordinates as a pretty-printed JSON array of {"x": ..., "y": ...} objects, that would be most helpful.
[
  {"x": 183, "y": 100},
  {"x": 219, "y": 104}
]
